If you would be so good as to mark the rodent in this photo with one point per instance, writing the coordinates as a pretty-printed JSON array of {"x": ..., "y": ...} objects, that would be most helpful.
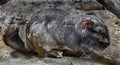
[{"x": 56, "y": 32}]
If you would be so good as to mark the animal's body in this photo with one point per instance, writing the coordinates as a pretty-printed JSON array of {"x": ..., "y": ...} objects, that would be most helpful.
[{"x": 55, "y": 32}]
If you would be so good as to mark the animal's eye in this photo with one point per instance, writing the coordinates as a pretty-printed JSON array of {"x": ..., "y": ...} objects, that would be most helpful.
[{"x": 85, "y": 22}]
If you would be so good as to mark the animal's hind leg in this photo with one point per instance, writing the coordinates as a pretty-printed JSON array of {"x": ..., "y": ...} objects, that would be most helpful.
[
  {"x": 62, "y": 51},
  {"x": 55, "y": 53},
  {"x": 35, "y": 44}
]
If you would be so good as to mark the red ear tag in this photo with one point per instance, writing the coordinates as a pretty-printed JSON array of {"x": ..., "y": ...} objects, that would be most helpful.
[{"x": 85, "y": 22}]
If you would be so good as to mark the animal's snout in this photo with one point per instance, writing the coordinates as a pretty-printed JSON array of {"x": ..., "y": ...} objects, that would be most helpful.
[
  {"x": 102, "y": 35},
  {"x": 103, "y": 40},
  {"x": 106, "y": 40}
]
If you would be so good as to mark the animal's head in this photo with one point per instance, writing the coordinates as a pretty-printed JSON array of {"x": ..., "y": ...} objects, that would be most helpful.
[{"x": 93, "y": 32}]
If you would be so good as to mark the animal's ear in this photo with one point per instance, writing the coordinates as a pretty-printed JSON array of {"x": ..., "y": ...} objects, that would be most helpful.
[{"x": 85, "y": 22}]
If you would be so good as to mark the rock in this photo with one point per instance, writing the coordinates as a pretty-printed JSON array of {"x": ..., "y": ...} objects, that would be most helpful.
[
  {"x": 21, "y": 10},
  {"x": 3, "y": 2},
  {"x": 86, "y": 5},
  {"x": 112, "y": 5},
  {"x": 2, "y": 17}
]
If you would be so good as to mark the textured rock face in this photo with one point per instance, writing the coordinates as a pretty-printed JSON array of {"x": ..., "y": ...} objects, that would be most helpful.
[
  {"x": 3, "y": 2},
  {"x": 112, "y": 5},
  {"x": 21, "y": 10}
]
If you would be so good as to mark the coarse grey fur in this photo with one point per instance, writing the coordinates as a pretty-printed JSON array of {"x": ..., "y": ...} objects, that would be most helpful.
[
  {"x": 64, "y": 28},
  {"x": 53, "y": 27}
]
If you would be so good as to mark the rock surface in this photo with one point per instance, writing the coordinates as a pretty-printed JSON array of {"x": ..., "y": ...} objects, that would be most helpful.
[
  {"x": 3, "y": 2},
  {"x": 112, "y": 5},
  {"x": 20, "y": 11}
]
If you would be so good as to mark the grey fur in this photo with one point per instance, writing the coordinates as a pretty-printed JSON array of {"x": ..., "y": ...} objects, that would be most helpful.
[{"x": 65, "y": 28}]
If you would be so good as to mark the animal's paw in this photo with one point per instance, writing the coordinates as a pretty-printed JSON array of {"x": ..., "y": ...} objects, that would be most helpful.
[{"x": 56, "y": 54}]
